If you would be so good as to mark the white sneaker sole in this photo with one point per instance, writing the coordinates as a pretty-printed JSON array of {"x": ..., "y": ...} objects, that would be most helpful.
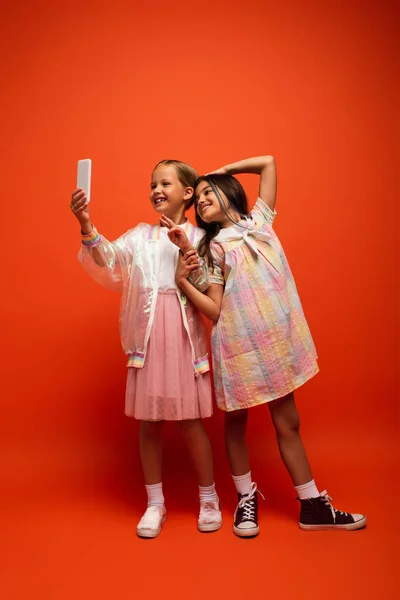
[
  {"x": 150, "y": 533},
  {"x": 253, "y": 532},
  {"x": 209, "y": 527},
  {"x": 348, "y": 526}
]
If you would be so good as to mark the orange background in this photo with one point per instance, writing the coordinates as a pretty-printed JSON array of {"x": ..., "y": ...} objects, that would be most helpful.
[{"x": 314, "y": 84}]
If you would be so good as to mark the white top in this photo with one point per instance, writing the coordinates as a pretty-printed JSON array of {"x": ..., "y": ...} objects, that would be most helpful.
[{"x": 168, "y": 260}]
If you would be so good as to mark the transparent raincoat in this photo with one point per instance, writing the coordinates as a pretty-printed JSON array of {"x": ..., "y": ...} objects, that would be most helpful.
[{"x": 131, "y": 265}]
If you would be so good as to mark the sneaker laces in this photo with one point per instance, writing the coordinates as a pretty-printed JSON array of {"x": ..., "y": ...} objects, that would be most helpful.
[
  {"x": 247, "y": 503},
  {"x": 208, "y": 507},
  {"x": 328, "y": 501}
]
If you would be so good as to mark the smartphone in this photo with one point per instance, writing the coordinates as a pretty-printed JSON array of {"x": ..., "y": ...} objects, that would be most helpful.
[{"x": 84, "y": 176}]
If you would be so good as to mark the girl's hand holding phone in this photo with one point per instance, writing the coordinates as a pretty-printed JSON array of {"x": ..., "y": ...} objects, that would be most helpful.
[{"x": 80, "y": 209}]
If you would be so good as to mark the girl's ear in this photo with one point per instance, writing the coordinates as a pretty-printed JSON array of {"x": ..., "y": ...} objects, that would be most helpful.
[{"x": 188, "y": 194}]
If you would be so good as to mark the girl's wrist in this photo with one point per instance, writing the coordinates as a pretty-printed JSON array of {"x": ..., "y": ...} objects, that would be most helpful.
[
  {"x": 185, "y": 247},
  {"x": 229, "y": 169},
  {"x": 86, "y": 225},
  {"x": 92, "y": 238},
  {"x": 86, "y": 228},
  {"x": 181, "y": 282}
]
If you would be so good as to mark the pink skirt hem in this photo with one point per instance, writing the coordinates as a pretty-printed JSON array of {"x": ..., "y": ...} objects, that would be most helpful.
[{"x": 166, "y": 387}]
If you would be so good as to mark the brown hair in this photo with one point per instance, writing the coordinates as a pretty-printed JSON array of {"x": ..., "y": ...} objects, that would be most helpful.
[
  {"x": 237, "y": 201},
  {"x": 186, "y": 174}
]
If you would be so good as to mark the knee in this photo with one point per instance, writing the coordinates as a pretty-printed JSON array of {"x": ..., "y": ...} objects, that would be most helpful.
[
  {"x": 236, "y": 420},
  {"x": 189, "y": 425},
  {"x": 151, "y": 429},
  {"x": 287, "y": 425}
]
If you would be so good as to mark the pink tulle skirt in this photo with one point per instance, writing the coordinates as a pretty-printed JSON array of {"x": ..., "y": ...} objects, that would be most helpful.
[{"x": 166, "y": 388}]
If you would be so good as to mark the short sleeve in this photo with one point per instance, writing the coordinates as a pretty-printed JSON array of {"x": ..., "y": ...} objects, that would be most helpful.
[
  {"x": 261, "y": 209},
  {"x": 216, "y": 274}
]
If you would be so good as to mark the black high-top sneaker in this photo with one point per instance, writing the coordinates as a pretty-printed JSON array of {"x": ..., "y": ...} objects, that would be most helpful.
[
  {"x": 318, "y": 513},
  {"x": 246, "y": 514}
]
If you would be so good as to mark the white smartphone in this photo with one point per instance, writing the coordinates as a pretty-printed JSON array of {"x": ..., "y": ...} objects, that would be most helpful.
[{"x": 84, "y": 176}]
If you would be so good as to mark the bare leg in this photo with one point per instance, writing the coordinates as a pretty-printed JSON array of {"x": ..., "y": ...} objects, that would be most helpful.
[
  {"x": 287, "y": 423},
  {"x": 151, "y": 450},
  {"x": 151, "y": 522},
  {"x": 235, "y": 441},
  {"x": 199, "y": 447}
]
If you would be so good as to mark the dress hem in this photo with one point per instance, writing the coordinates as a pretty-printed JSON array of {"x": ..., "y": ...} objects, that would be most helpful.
[{"x": 273, "y": 397}]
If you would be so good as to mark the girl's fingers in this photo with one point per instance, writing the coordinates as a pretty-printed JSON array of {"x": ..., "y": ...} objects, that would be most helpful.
[
  {"x": 78, "y": 201},
  {"x": 78, "y": 194},
  {"x": 220, "y": 171},
  {"x": 190, "y": 253},
  {"x": 190, "y": 257},
  {"x": 192, "y": 263},
  {"x": 186, "y": 272},
  {"x": 79, "y": 205},
  {"x": 174, "y": 231},
  {"x": 167, "y": 222},
  {"x": 79, "y": 209}
]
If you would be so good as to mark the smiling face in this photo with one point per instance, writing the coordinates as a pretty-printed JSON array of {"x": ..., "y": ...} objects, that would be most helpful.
[
  {"x": 208, "y": 207},
  {"x": 168, "y": 195}
]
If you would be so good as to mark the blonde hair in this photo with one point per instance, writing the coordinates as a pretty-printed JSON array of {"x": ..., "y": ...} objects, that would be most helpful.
[{"x": 186, "y": 174}]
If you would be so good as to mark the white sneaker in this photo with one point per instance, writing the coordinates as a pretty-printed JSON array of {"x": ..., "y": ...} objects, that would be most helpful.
[
  {"x": 210, "y": 517},
  {"x": 150, "y": 524}
]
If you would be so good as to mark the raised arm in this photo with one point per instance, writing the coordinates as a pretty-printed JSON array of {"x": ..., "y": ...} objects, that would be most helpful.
[
  {"x": 106, "y": 262},
  {"x": 80, "y": 208},
  {"x": 265, "y": 167}
]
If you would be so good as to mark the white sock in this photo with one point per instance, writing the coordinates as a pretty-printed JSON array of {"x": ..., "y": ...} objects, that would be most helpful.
[
  {"x": 155, "y": 496},
  {"x": 307, "y": 490},
  {"x": 208, "y": 493},
  {"x": 242, "y": 483}
]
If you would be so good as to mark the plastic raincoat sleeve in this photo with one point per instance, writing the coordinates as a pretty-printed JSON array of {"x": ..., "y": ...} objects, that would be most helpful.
[
  {"x": 108, "y": 263},
  {"x": 199, "y": 278}
]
